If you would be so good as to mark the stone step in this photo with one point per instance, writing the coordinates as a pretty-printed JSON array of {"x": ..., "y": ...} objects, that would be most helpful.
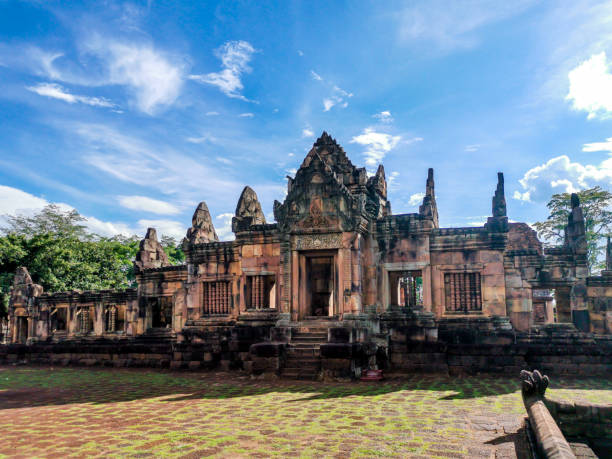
[
  {"x": 306, "y": 366},
  {"x": 303, "y": 353},
  {"x": 297, "y": 374},
  {"x": 311, "y": 341}
]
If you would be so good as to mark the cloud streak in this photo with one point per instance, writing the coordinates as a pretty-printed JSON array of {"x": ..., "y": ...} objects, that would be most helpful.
[{"x": 55, "y": 91}]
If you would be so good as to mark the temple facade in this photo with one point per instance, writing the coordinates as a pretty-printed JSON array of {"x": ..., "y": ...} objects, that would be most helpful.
[{"x": 336, "y": 257}]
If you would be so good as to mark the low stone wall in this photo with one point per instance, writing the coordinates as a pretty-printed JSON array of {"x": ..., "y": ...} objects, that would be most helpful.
[
  {"x": 100, "y": 352},
  {"x": 558, "y": 357},
  {"x": 588, "y": 421}
]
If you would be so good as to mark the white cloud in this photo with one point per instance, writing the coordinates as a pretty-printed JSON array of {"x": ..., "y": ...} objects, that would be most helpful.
[
  {"x": 561, "y": 175},
  {"x": 377, "y": 144},
  {"x": 14, "y": 201},
  {"x": 291, "y": 171},
  {"x": 416, "y": 199},
  {"x": 212, "y": 113},
  {"x": 599, "y": 146},
  {"x": 300, "y": 52},
  {"x": 55, "y": 91},
  {"x": 392, "y": 179},
  {"x": 384, "y": 116},
  {"x": 590, "y": 87},
  {"x": 235, "y": 57},
  {"x": 154, "y": 80},
  {"x": 328, "y": 104},
  {"x": 146, "y": 204},
  {"x": 246, "y": 115},
  {"x": 307, "y": 132},
  {"x": 472, "y": 148},
  {"x": 164, "y": 227},
  {"x": 224, "y": 230},
  {"x": 315, "y": 75}
]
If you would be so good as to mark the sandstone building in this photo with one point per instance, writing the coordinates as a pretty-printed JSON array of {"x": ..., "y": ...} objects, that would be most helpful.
[{"x": 336, "y": 267}]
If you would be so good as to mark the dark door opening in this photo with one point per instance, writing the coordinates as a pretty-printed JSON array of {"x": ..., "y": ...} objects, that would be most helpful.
[
  {"x": 321, "y": 285},
  {"x": 161, "y": 312},
  {"x": 22, "y": 330}
]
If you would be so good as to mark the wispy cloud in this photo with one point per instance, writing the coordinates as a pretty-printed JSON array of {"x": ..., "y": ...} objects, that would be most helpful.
[
  {"x": 246, "y": 115},
  {"x": 599, "y": 146},
  {"x": 338, "y": 98},
  {"x": 154, "y": 166},
  {"x": 471, "y": 148},
  {"x": 145, "y": 204},
  {"x": 590, "y": 87},
  {"x": 152, "y": 78},
  {"x": 55, "y": 91},
  {"x": 235, "y": 57},
  {"x": 315, "y": 75},
  {"x": 450, "y": 25},
  {"x": 212, "y": 113}
]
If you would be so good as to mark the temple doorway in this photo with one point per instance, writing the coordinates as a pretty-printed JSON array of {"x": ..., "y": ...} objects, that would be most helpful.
[
  {"x": 161, "y": 312},
  {"x": 320, "y": 285},
  {"x": 22, "y": 330}
]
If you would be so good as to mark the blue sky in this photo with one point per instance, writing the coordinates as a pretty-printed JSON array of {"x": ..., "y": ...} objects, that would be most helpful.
[{"x": 132, "y": 113}]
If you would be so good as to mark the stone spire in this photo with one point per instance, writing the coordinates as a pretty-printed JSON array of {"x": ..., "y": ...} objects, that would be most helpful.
[
  {"x": 379, "y": 182},
  {"x": 575, "y": 231},
  {"x": 498, "y": 223},
  {"x": 248, "y": 211},
  {"x": 499, "y": 200},
  {"x": 151, "y": 254},
  {"x": 429, "y": 208},
  {"x": 202, "y": 229}
]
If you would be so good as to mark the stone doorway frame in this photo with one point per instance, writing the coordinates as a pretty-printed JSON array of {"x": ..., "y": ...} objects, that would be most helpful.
[{"x": 304, "y": 304}]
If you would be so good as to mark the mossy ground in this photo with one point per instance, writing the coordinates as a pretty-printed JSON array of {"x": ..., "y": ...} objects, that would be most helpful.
[{"x": 79, "y": 412}]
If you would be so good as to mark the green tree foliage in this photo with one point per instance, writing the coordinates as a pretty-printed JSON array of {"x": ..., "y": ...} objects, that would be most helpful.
[
  {"x": 173, "y": 249},
  {"x": 62, "y": 255},
  {"x": 595, "y": 203}
]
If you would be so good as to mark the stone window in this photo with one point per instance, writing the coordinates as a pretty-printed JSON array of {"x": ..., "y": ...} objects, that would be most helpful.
[
  {"x": 462, "y": 292},
  {"x": 59, "y": 319},
  {"x": 406, "y": 288},
  {"x": 216, "y": 297},
  {"x": 85, "y": 320},
  {"x": 260, "y": 292},
  {"x": 114, "y": 319}
]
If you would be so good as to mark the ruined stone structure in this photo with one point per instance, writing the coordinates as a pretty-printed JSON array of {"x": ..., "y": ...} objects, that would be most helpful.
[{"x": 337, "y": 278}]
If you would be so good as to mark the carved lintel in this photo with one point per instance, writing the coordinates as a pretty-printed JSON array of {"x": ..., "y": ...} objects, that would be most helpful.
[{"x": 318, "y": 241}]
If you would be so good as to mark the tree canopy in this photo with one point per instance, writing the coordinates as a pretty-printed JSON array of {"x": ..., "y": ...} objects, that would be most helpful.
[
  {"x": 62, "y": 255},
  {"x": 595, "y": 203}
]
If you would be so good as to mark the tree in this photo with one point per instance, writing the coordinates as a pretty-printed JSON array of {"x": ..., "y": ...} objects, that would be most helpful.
[
  {"x": 62, "y": 255},
  {"x": 50, "y": 220},
  {"x": 595, "y": 203},
  {"x": 173, "y": 249}
]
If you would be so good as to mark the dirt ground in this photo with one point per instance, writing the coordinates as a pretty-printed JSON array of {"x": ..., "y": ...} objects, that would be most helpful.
[{"x": 84, "y": 412}]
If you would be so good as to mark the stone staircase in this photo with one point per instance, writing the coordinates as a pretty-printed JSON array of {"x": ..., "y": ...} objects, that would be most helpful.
[{"x": 303, "y": 353}]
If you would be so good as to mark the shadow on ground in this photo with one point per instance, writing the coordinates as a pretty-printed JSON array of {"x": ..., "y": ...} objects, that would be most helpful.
[{"x": 40, "y": 386}]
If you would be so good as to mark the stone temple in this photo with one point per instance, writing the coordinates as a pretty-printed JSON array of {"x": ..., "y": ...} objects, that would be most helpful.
[{"x": 337, "y": 284}]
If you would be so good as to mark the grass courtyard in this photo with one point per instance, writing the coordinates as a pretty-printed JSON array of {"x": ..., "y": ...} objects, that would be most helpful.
[{"x": 79, "y": 412}]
